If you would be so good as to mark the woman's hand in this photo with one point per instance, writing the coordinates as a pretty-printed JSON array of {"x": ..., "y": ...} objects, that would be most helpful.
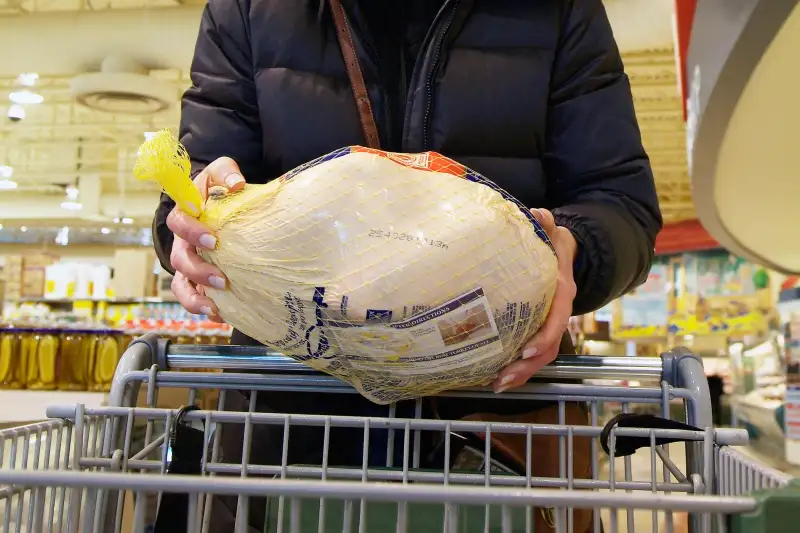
[
  {"x": 542, "y": 349},
  {"x": 191, "y": 272}
]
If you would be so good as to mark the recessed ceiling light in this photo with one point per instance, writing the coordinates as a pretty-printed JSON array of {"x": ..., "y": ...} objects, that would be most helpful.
[
  {"x": 7, "y": 185},
  {"x": 6, "y": 172},
  {"x": 105, "y": 231},
  {"x": 62, "y": 238},
  {"x": 127, "y": 220},
  {"x": 72, "y": 193},
  {"x": 23, "y": 229},
  {"x": 71, "y": 206},
  {"x": 26, "y": 97},
  {"x": 16, "y": 113}
]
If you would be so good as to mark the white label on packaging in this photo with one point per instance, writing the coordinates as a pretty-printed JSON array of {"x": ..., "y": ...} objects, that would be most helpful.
[{"x": 459, "y": 333}]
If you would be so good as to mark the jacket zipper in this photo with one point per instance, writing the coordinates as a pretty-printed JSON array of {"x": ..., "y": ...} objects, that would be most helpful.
[
  {"x": 431, "y": 73},
  {"x": 403, "y": 87}
]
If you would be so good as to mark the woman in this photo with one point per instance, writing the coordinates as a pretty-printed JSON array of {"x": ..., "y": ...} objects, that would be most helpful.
[{"x": 530, "y": 94}]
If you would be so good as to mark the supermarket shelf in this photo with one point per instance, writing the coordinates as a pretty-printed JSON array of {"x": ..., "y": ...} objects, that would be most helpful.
[{"x": 20, "y": 406}]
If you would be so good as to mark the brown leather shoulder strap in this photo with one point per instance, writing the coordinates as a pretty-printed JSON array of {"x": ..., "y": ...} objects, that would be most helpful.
[{"x": 356, "y": 76}]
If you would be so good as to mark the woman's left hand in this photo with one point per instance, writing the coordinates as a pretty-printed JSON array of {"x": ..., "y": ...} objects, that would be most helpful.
[{"x": 542, "y": 349}]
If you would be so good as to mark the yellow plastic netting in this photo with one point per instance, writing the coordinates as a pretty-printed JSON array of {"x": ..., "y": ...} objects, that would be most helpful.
[{"x": 404, "y": 275}]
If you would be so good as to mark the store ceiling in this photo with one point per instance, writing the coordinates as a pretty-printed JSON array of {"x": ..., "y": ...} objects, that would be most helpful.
[{"x": 60, "y": 141}]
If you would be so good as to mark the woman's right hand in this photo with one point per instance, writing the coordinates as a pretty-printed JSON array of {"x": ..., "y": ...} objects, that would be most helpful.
[{"x": 192, "y": 274}]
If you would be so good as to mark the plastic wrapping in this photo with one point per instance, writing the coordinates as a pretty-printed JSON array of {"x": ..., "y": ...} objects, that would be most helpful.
[{"x": 404, "y": 275}]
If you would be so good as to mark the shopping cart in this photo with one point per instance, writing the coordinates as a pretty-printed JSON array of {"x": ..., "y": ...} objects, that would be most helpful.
[{"x": 113, "y": 468}]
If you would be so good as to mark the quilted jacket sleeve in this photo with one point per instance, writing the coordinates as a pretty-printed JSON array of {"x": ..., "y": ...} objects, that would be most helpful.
[
  {"x": 220, "y": 111},
  {"x": 599, "y": 178}
]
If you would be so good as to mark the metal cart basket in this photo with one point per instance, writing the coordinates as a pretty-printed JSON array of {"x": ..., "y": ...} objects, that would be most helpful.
[{"x": 120, "y": 468}]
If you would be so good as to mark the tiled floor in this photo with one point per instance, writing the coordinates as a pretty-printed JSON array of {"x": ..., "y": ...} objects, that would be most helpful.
[{"x": 640, "y": 469}]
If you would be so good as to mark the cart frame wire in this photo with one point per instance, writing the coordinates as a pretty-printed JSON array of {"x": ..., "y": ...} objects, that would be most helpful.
[{"x": 83, "y": 488}]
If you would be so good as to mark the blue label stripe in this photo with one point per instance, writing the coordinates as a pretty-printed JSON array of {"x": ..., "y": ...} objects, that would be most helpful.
[
  {"x": 305, "y": 166},
  {"x": 474, "y": 177}
]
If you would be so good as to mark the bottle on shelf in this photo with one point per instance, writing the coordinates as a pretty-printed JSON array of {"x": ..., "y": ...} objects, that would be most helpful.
[{"x": 43, "y": 360}]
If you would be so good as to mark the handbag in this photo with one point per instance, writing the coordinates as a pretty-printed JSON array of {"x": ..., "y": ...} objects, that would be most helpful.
[{"x": 184, "y": 457}]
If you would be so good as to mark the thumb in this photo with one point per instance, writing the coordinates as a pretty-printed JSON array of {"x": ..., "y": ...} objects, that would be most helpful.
[
  {"x": 546, "y": 219},
  {"x": 222, "y": 172}
]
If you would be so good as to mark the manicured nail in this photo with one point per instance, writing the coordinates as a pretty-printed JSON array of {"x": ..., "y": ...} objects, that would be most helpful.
[
  {"x": 505, "y": 383},
  {"x": 208, "y": 241},
  {"x": 217, "y": 282},
  {"x": 205, "y": 310},
  {"x": 233, "y": 180},
  {"x": 529, "y": 352}
]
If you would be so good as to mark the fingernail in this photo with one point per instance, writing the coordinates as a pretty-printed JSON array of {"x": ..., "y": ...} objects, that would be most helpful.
[
  {"x": 217, "y": 282},
  {"x": 529, "y": 352},
  {"x": 233, "y": 180},
  {"x": 205, "y": 310},
  {"x": 505, "y": 383},
  {"x": 208, "y": 241}
]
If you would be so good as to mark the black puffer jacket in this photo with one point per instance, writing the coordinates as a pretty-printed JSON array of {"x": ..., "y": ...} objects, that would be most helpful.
[{"x": 530, "y": 94}]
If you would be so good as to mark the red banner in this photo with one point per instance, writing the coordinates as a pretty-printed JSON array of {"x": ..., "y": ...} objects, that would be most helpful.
[
  {"x": 687, "y": 236},
  {"x": 684, "y": 16}
]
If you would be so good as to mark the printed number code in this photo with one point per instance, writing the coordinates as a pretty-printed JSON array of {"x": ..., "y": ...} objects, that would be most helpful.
[{"x": 406, "y": 237}]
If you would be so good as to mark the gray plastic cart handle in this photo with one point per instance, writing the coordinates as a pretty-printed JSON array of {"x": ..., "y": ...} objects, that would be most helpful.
[
  {"x": 183, "y": 356},
  {"x": 679, "y": 368},
  {"x": 259, "y": 358}
]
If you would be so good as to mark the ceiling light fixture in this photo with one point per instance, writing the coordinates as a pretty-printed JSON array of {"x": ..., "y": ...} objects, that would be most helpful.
[
  {"x": 16, "y": 113},
  {"x": 7, "y": 185},
  {"x": 62, "y": 238},
  {"x": 6, "y": 172},
  {"x": 28, "y": 79},
  {"x": 72, "y": 192},
  {"x": 23, "y": 229},
  {"x": 105, "y": 231},
  {"x": 127, "y": 220},
  {"x": 71, "y": 203},
  {"x": 26, "y": 97}
]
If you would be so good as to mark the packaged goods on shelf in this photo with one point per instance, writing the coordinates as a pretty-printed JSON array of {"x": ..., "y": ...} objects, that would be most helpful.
[
  {"x": 12, "y": 274},
  {"x": 164, "y": 288},
  {"x": 25, "y": 274},
  {"x": 59, "y": 281},
  {"x": 77, "y": 280},
  {"x": 38, "y": 355},
  {"x": 53, "y": 358},
  {"x": 101, "y": 282}
]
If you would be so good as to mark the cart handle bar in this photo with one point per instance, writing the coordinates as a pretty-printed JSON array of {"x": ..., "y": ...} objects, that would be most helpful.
[{"x": 183, "y": 356}]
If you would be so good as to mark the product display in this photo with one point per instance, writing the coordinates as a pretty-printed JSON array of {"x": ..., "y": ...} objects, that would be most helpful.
[
  {"x": 84, "y": 356},
  {"x": 404, "y": 275},
  {"x": 25, "y": 275}
]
